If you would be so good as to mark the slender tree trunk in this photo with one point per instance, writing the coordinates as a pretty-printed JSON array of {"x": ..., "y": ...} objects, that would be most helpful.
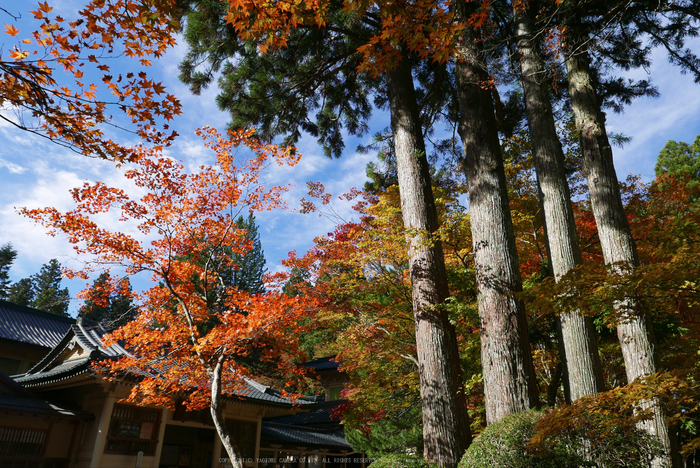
[
  {"x": 509, "y": 378},
  {"x": 580, "y": 357},
  {"x": 217, "y": 414},
  {"x": 446, "y": 430},
  {"x": 619, "y": 249}
]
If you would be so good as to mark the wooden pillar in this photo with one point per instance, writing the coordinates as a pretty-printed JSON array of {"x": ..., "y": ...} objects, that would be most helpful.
[
  {"x": 164, "y": 416},
  {"x": 102, "y": 430}
]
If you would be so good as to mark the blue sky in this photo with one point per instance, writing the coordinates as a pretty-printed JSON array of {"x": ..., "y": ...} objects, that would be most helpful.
[{"x": 37, "y": 173}]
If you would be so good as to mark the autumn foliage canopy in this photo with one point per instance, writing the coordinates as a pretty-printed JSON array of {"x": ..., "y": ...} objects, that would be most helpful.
[
  {"x": 45, "y": 79},
  {"x": 191, "y": 325}
]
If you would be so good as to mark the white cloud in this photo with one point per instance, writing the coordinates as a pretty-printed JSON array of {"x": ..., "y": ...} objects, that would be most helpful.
[
  {"x": 652, "y": 122},
  {"x": 12, "y": 167}
]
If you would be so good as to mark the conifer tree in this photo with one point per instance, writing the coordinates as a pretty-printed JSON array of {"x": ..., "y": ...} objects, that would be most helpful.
[
  {"x": 681, "y": 159},
  {"x": 49, "y": 296},
  {"x": 248, "y": 276},
  {"x": 509, "y": 377},
  {"x": 22, "y": 292},
  {"x": 42, "y": 290},
  {"x": 7, "y": 257},
  {"x": 618, "y": 246},
  {"x": 578, "y": 337}
]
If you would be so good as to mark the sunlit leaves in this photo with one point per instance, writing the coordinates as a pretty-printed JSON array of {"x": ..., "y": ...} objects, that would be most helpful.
[
  {"x": 425, "y": 27},
  {"x": 191, "y": 320},
  {"x": 43, "y": 82}
]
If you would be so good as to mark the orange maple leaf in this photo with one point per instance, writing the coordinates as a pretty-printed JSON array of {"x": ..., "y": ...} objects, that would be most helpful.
[{"x": 11, "y": 30}]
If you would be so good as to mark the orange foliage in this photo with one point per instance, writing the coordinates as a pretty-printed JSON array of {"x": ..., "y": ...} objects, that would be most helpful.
[
  {"x": 43, "y": 80},
  {"x": 358, "y": 274},
  {"x": 426, "y": 28},
  {"x": 191, "y": 323}
]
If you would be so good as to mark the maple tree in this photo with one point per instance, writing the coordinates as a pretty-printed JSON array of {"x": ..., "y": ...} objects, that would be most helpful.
[
  {"x": 193, "y": 331},
  {"x": 359, "y": 275},
  {"x": 44, "y": 79}
]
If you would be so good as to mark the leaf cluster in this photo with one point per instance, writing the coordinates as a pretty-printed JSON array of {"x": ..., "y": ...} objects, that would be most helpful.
[
  {"x": 194, "y": 325},
  {"x": 43, "y": 81}
]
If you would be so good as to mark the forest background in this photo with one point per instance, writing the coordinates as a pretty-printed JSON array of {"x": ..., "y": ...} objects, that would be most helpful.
[{"x": 35, "y": 172}]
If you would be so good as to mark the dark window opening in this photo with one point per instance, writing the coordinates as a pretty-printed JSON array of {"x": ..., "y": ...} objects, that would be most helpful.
[
  {"x": 133, "y": 430},
  {"x": 18, "y": 442}
]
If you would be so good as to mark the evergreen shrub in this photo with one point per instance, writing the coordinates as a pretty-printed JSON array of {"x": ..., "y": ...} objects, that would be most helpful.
[
  {"x": 592, "y": 440},
  {"x": 396, "y": 460},
  {"x": 504, "y": 445}
]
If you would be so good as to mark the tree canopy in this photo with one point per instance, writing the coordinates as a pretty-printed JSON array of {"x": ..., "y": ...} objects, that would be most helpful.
[
  {"x": 42, "y": 290},
  {"x": 680, "y": 159},
  {"x": 421, "y": 299},
  {"x": 7, "y": 257},
  {"x": 248, "y": 274},
  {"x": 43, "y": 80}
]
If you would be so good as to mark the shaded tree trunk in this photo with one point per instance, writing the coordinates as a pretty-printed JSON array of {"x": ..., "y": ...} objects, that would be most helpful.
[
  {"x": 619, "y": 249},
  {"x": 580, "y": 349},
  {"x": 446, "y": 430},
  {"x": 509, "y": 378}
]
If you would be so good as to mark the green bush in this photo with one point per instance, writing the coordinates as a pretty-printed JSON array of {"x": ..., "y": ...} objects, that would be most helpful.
[
  {"x": 504, "y": 445},
  {"x": 591, "y": 439},
  {"x": 400, "y": 461}
]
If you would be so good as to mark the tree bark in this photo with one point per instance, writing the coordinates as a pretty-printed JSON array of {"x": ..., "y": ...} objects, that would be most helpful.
[
  {"x": 580, "y": 357},
  {"x": 217, "y": 414},
  {"x": 619, "y": 249},
  {"x": 509, "y": 378},
  {"x": 446, "y": 429}
]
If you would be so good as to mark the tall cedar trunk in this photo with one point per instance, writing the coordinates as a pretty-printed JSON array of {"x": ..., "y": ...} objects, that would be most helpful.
[
  {"x": 217, "y": 413},
  {"x": 580, "y": 356},
  {"x": 619, "y": 249},
  {"x": 509, "y": 377},
  {"x": 445, "y": 421}
]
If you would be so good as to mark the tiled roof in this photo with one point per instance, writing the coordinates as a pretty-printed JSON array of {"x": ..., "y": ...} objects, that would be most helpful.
[
  {"x": 32, "y": 326},
  {"x": 257, "y": 391},
  {"x": 16, "y": 399},
  {"x": 63, "y": 371},
  {"x": 319, "y": 416},
  {"x": 321, "y": 364},
  {"x": 89, "y": 338},
  {"x": 274, "y": 433}
]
